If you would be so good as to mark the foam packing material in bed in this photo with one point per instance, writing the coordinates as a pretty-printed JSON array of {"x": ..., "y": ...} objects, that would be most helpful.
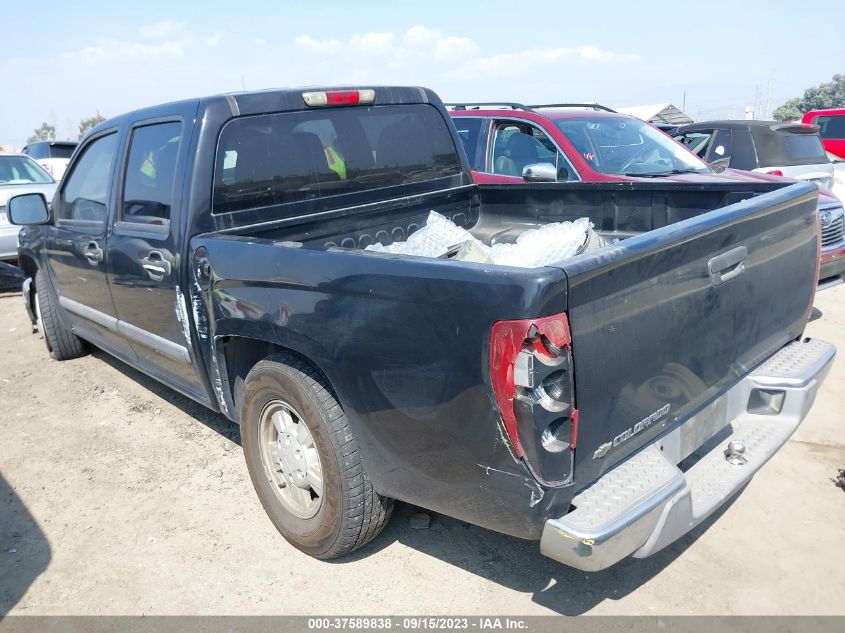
[{"x": 533, "y": 248}]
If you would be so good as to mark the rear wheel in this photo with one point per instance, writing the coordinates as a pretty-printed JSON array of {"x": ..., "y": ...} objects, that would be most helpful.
[
  {"x": 304, "y": 460},
  {"x": 62, "y": 343}
]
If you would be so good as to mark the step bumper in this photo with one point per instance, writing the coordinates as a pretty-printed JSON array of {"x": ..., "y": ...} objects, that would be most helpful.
[{"x": 647, "y": 502}]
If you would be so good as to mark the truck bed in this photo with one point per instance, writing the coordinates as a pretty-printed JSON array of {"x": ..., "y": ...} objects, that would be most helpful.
[{"x": 399, "y": 337}]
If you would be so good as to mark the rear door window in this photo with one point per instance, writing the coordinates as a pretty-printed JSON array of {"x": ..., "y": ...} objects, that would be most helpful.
[
  {"x": 150, "y": 173},
  {"x": 720, "y": 146},
  {"x": 332, "y": 155}
]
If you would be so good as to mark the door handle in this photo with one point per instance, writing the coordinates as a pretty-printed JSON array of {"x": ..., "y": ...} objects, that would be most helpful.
[
  {"x": 724, "y": 267},
  {"x": 93, "y": 253},
  {"x": 156, "y": 265}
]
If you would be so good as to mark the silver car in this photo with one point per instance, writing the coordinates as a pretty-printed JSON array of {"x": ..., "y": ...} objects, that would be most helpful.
[{"x": 19, "y": 174}]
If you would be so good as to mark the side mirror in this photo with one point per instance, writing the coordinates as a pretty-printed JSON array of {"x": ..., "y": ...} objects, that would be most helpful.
[
  {"x": 28, "y": 208},
  {"x": 721, "y": 164},
  {"x": 539, "y": 172}
]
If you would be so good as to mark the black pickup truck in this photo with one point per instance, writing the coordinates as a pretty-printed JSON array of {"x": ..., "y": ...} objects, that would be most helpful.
[{"x": 603, "y": 405}]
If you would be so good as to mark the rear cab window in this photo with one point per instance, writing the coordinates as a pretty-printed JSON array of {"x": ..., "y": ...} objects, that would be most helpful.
[
  {"x": 333, "y": 157},
  {"x": 61, "y": 151}
]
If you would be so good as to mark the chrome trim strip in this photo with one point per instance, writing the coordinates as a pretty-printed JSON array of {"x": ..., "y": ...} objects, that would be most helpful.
[
  {"x": 100, "y": 318},
  {"x": 154, "y": 342}
]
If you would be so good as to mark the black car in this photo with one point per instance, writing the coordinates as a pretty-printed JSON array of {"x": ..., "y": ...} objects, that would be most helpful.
[{"x": 781, "y": 149}]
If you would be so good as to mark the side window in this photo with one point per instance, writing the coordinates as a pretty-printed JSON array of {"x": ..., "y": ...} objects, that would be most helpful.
[
  {"x": 697, "y": 142},
  {"x": 84, "y": 201},
  {"x": 150, "y": 173},
  {"x": 831, "y": 127},
  {"x": 37, "y": 151},
  {"x": 720, "y": 147},
  {"x": 517, "y": 144},
  {"x": 468, "y": 130}
]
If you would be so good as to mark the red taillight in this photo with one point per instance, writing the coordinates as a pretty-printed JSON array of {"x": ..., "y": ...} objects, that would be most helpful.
[
  {"x": 775, "y": 172},
  {"x": 547, "y": 336},
  {"x": 339, "y": 97}
]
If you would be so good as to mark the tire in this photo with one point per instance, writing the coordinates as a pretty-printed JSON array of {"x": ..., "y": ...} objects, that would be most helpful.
[
  {"x": 349, "y": 513},
  {"x": 62, "y": 343}
]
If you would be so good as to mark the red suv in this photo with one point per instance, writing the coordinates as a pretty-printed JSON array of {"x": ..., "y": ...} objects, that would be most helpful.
[
  {"x": 831, "y": 128},
  {"x": 589, "y": 143}
]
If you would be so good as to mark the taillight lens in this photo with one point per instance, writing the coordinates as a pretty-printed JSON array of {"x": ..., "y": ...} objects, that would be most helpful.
[
  {"x": 531, "y": 374},
  {"x": 775, "y": 172}
]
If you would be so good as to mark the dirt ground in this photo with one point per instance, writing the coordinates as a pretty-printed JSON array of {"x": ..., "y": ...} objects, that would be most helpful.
[{"x": 118, "y": 496}]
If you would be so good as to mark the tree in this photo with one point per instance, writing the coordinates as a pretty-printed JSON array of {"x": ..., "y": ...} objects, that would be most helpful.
[
  {"x": 89, "y": 123},
  {"x": 46, "y": 132},
  {"x": 789, "y": 110},
  {"x": 825, "y": 95}
]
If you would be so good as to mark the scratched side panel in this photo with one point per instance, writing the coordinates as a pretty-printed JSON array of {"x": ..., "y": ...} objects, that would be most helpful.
[{"x": 404, "y": 343}]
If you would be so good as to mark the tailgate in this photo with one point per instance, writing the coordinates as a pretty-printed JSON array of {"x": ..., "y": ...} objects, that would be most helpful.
[{"x": 665, "y": 321}]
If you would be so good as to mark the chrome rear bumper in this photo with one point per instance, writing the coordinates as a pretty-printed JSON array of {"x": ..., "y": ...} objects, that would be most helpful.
[{"x": 647, "y": 502}]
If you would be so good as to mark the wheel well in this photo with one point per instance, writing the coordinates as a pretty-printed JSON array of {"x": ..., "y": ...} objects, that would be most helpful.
[
  {"x": 28, "y": 266},
  {"x": 241, "y": 354},
  {"x": 28, "y": 269}
]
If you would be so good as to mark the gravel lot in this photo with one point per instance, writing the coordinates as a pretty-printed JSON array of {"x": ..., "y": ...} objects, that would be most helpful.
[{"x": 118, "y": 496}]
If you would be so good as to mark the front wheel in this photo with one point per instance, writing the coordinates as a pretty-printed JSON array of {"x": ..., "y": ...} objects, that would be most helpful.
[
  {"x": 62, "y": 343},
  {"x": 304, "y": 460}
]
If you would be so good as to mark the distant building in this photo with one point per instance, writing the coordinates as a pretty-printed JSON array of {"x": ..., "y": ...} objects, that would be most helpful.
[{"x": 658, "y": 113}]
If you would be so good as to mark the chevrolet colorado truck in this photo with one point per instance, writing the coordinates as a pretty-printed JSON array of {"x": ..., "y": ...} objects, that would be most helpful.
[{"x": 603, "y": 405}]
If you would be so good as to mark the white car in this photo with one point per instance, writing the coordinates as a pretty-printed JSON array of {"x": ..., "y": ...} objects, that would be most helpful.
[
  {"x": 53, "y": 156},
  {"x": 19, "y": 174}
]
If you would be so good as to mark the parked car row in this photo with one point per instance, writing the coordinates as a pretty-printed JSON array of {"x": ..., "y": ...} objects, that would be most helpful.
[
  {"x": 602, "y": 403},
  {"x": 510, "y": 142}
]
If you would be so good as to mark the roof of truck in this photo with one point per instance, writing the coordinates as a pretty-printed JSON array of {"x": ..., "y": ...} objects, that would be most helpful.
[{"x": 275, "y": 100}]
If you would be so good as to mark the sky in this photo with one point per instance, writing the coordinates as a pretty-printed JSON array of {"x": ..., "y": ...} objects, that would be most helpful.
[{"x": 71, "y": 60}]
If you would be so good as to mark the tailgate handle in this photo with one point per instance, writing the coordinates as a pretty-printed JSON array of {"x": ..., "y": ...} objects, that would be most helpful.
[{"x": 728, "y": 265}]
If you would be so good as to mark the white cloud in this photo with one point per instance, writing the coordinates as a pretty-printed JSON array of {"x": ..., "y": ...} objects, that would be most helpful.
[
  {"x": 115, "y": 51},
  {"x": 314, "y": 46},
  {"x": 162, "y": 29},
  {"x": 213, "y": 40},
  {"x": 454, "y": 56},
  {"x": 532, "y": 61},
  {"x": 372, "y": 44}
]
